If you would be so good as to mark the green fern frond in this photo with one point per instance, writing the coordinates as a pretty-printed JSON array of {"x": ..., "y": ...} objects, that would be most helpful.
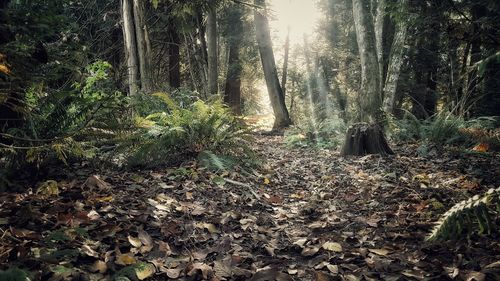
[
  {"x": 165, "y": 97},
  {"x": 476, "y": 212}
]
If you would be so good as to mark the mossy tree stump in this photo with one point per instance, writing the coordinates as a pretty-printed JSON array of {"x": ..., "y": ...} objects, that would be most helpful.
[{"x": 362, "y": 139}]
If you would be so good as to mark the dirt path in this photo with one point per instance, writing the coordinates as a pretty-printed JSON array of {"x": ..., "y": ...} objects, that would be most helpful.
[{"x": 304, "y": 215}]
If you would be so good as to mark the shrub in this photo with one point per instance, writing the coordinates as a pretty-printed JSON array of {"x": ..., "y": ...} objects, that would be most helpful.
[
  {"x": 184, "y": 132},
  {"x": 59, "y": 124},
  {"x": 442, "y": 128}
]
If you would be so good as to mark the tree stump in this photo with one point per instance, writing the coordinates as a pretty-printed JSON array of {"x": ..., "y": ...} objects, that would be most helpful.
[{"x": 362, "y": 139}]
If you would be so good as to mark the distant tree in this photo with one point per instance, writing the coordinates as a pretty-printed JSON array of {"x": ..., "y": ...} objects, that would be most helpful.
[
  {"x": 213, "y": 69},
  {"x": 130, "y": 47},
  {"x": 282, "y": 119},
  {"x": 232, "y": 92}
]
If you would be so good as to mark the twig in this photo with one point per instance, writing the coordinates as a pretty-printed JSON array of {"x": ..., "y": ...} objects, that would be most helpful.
[{"x": 244, "y": 185}]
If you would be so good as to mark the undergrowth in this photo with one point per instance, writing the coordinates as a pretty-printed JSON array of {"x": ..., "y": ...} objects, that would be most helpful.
[
  {"x": 93, "y": 120},
  {"x": 57, "y": 124},
  {"x": 327, "y": 134},
  {"x": 446, "y": 129},
  {"x": 469, "y": 216},
  {"x": 182, "y": 132}
]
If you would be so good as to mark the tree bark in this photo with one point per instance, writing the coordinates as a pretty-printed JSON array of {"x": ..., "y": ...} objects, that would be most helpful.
[
  {"x": 379, "y": 37},
  {"x": 174, "y": 58},
  {"x": 130, "y": 47},
  {"x": 143, "y": 46},
  {"x": 212, "y": 51},
  {"x": 232, "y": 92},
  {"x": 362, "y": 139},
  {"x": 370, "y": 93},
  {"x": 285, "y": 63},
  {"x": 396, "y": 59},
  {"x": 282, "y": 119}
]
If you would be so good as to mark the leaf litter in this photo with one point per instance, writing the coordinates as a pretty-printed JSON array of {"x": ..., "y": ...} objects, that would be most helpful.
[{"x": 306, "y": 214}]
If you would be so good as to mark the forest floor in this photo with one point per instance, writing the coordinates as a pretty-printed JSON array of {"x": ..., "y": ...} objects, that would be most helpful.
[{"x": 306, "y": 214}]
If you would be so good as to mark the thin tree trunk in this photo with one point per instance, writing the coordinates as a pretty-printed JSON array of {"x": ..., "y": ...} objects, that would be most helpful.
[
  {"x": 212, "y": 51},
  {"x": 143, "y": 46},
  {"x": 174, "y": 58},
  {"x": 195, "y": 80},
  {"x": 285, "y": 63},
  {"x": 282, "y": 119},
  {"x": 379, "y": 37},
  {"x": 370, "y": 93},
  {"x": 201, "y": 36},
  {"x": 396, "y": 59},
  {"x": 232, "y": 92},
  {"x": 130, "y": 47}
]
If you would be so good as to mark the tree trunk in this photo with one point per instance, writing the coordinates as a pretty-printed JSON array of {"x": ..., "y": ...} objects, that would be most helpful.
[
  {"x": 362, "y": 139},
  {"x": 285, "y": 63},
  {"x": 370, "y": 92},
  {"x": 396, "y": 59},
  {"x": 232, "y": 92},
  {"x": 282, "y": 119},
  {"x": 130, "y": 47},
  {"x": 174, "y": 58},
  {"x": 379, "y": 37},
  {"x": 143, "y": 46},
  {"x": 212, "y": 51}
]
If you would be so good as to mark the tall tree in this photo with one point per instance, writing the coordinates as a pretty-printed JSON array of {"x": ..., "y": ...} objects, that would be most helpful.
[
  {"x": 364, "y": 138},
  {"x": 370, "y": 96},
  {"x": 137, "y": 46},
  {"x": 212, "y": 50},
  {"x": 396, "y": 58},
  {"x": 282, "y": 119},
  {"x": 232, "y": 93},
  {"x": 143, "y": 45},
  {"x": 174, "y": 56},
  {"x": 285, "y": 62},
  {"x": 130, "y": 47}
]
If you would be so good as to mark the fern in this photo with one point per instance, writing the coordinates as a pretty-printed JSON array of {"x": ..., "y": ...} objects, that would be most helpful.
[
  {"x": 468, "y": 215},
  {"x": 180, "y": 133},
  {"x": 13, "y": 274}
]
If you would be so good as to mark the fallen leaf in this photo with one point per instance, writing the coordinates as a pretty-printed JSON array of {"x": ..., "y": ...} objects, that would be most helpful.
[
  {"x": 96, "y": 182},
  {"x": 136, "y": 242},
  {"x": 48, "y": 188},
  {"x": 301, "y": 242},
  {"x": 173, "y": 273},
  {"x": 333, "y": 268},
  {"x": 380, "y": 252},
  {"x": 223, "y": 268},
  {"x": 332, "y": 246},
  {"x": 89, "y": 251},
  {"x": 320, "y": 276},
  {"x": 99, "y": 266},
  {"x": 310, "y": 251},
  {"x": 104, "y": 199},
  {"x": 208, "y": 226},
  {"x": 125, "y": 259},
  {"x": 482, "y": 147},
  {"x": 205, "y": 270},
  {"x": 144, "y": 270},
  {"x": 275, "y": 199}
]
